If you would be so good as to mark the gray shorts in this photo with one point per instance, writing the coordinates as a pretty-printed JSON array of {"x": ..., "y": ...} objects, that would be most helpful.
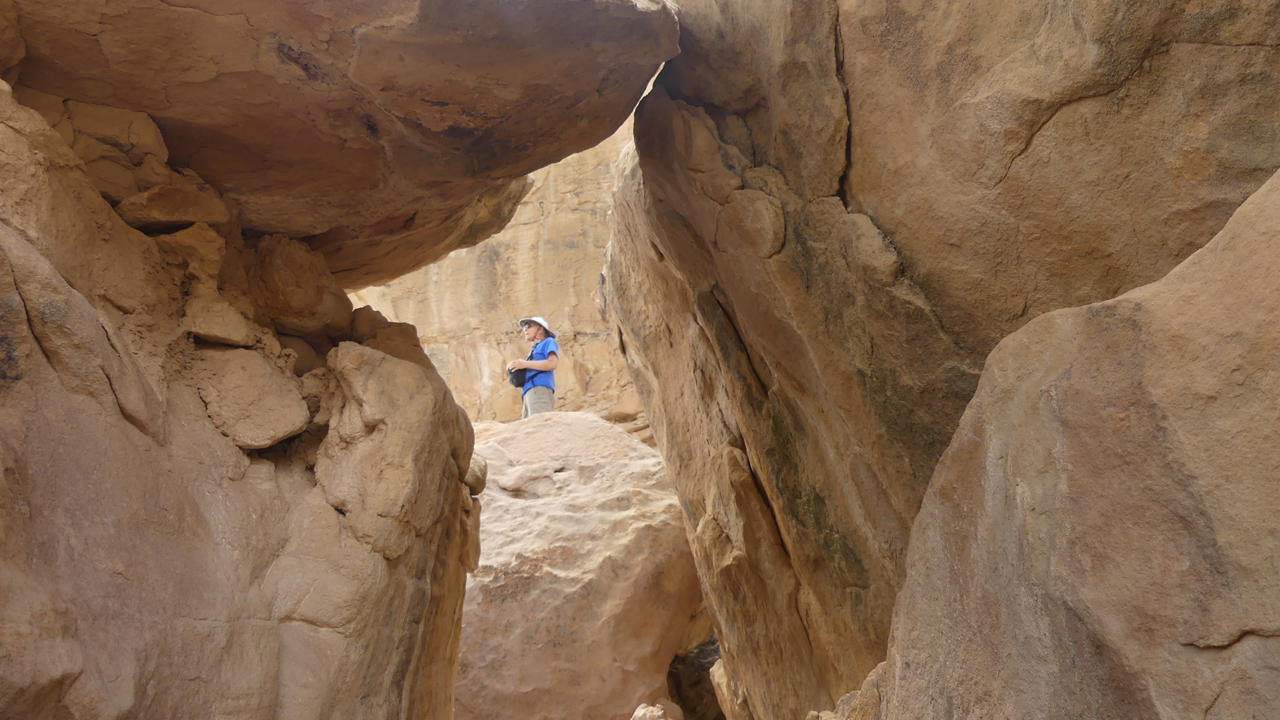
[{"x": 539, "y": 399}]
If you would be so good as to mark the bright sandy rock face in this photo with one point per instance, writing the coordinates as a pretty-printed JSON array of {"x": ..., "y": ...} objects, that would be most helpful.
[
  {"x": 395, "y": 131},
  {"x": 546, "y": 262},
  {"x": 585, "y": 587}
]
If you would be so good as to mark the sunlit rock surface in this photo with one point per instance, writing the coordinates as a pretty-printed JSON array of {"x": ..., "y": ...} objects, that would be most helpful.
[{"x": 585, "y": 587}]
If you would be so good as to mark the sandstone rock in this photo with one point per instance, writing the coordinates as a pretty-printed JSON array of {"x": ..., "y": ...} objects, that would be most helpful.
[
  {"x": 88, "y": 357},
  {"x": 477, "y": 475},
  {"x": 388, "y": 131},
  {"x": 366, "y": 322},
  {"x": 400, "y": 340},
  {"x": 733, "y": 702},
  {"x": 12, "y": 48},
  {"x": 168, "y": 206},
  {"x": 108, "y": 168},
  {"x": 545, "y": 262},
  {"x": 198, "y": 248},
  {"x": 1015, "y": 159},
  {"x": 585, "y": 584},
  {"x": 292, "y": 286},
  {"x": 471, "y": 512},
  {"x": 323, "y": 394},
  {"x": 248, "y": 399},
  {"x": 1105, "y": 514},
  {"x": 308, "y": 358},
  {"x": 376, "y": 465},
  {"x": 117, "y": 549},
  {"x": 658, "y": 711},
  {"x": 148, "y": 567},
  {"x": 49, "y": 200},
  {"x": 745, "y": 357},
  {"x": 208, "y": 315},
  {"x": 133, "y": 133},
  {"x": 52, "y": 108}
]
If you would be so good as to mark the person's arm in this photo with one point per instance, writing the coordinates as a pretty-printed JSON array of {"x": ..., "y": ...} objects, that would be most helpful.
[{"x": 544, "y": 365}]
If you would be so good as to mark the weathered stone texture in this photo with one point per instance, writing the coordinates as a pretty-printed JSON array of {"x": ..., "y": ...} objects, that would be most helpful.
[
  {"x": 391, "y": 132},
  {"x": 150, "y": 567},
  {"x": 1105, "y": 516},
  {"x": 585, "y": 588},
  {"x": 545, "y": 262},
  {"x": 838, "y": 208}
]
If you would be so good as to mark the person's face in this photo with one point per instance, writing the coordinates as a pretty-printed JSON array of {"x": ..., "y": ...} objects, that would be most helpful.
[{"x": 531, "y": 331}]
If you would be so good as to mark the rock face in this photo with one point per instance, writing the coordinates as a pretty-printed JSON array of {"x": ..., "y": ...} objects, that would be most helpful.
[
  {"x": 1106, "y": 513},
  {"x": 585, "y": 587},
  {"x": 837, "y": 209},
  {"x": 545, "y": 262},
  {"x": 188, "y": 529},
  {"x": 392, "y": 133}
]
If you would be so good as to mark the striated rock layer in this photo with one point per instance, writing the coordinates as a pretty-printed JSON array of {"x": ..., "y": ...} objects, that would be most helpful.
[
  {"x": 545, "y": 262},
  {"x": 837, "y": 209},
  {"x": 585, "y": 589},
  {"x": 390, "y": 132},
  {"x": 1100, "y": 538},
  {"x": 187, "y": 527}
]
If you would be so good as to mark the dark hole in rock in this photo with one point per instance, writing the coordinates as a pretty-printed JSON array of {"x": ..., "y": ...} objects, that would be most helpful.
[{"x": 689, "y": 682}]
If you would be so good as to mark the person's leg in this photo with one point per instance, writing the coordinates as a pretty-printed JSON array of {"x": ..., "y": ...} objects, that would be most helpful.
[
  {"x": 524, "y": 405},
  {"x": 540, "y": 400}
]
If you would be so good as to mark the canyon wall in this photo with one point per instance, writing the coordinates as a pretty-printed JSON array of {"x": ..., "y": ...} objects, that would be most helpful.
[
  {"x": 546, "y": 262},
  {"x": 836, "y": 210},
  {"x": 226, "y": 492}
]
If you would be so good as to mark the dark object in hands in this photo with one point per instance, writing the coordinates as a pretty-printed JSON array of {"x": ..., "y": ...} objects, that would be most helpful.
[{"x": 516, "y": 377}]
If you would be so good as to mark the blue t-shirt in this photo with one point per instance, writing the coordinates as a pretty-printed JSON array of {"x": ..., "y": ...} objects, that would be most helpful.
[{"x": 541, "y": 378}]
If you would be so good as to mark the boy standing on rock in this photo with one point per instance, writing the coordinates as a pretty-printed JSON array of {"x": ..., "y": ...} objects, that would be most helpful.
[{"x": 540, "y": 378}]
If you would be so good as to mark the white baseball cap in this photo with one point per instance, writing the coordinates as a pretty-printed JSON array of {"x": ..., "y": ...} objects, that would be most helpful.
[{"x": 539, "y": 321}]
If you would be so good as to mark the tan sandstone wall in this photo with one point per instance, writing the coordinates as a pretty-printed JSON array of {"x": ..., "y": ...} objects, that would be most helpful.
[
  {"x": 545, "y": 262},
  {"x": 836, "y": 210}
]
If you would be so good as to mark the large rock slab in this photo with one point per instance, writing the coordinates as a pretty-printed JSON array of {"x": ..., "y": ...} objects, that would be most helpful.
[
  {"x": 840, "y": 207},
  {"x": 1100, "y": 537},
  {"x": 151, "y": 568},
  {"x": 585, "y": 587},
  {"x": 545, "y": 262},
  {"x": 394, "y": 132}
]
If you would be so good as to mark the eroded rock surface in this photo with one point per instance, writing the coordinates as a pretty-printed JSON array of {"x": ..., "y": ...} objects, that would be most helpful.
[
  {"x": 586, "y": 587},
  {"x": 545, "y": 262},
  {"x": 1105, "y": 514},
  {"x": 392, "y": 132},
  {"x": 838, "y": 208},
  {"x": 151, "y": 565}
]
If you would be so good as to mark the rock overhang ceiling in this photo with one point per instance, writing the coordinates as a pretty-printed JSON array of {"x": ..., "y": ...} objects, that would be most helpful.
[{"x": 387, "y": 133}]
